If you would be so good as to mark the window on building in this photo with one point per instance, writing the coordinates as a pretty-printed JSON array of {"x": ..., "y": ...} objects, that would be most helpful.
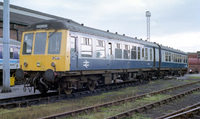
[
  {"x": 86, "y": 47},
  {"x": 118, "y": 51},
  {"x": 139, "y": 53},
  {"x": 100, "y": 49},
  {"x": 133, "y": 52},
  {"x": 126, "y": 52}
]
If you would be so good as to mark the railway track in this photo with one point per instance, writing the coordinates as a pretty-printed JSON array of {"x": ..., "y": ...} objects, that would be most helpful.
[
  {"x": 185, "y": 113},
  {"x": 152, "y": 105},
  {"x": 97, "y": 107},
  {"x": 24, "y": 101}
]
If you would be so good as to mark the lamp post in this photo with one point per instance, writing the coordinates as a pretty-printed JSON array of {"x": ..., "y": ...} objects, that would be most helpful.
[{"x": 148, "y": 15}]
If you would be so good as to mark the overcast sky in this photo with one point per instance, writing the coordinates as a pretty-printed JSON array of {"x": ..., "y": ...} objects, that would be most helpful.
[{"x": 174, "y": 23}]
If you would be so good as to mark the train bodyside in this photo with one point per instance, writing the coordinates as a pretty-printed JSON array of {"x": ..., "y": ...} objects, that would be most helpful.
[
  {"x": 70, "y": 56},
  {"x": 14, "y": 56}
]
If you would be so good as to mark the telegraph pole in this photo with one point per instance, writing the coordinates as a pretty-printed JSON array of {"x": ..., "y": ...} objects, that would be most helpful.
[
  {"x": 148, "y": 15},
  {"x": 6, "y": 41}
]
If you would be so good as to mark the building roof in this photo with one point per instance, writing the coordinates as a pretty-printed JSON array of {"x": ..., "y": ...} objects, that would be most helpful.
[
  {"x": 24, "y": 16},
  {"x": 12, "y": 42}
]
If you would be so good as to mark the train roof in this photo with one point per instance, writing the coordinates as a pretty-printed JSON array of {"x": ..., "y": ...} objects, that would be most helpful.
[
  {"x": 12, "y": 42},
  {"x": 76, "y": 27}
]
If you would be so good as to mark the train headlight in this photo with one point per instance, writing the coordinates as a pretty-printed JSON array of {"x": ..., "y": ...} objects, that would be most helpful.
[
  {"x": 25, "y": 64},
  {"x": 38, "y": 64},
  {"x": 53, "y": 64}
]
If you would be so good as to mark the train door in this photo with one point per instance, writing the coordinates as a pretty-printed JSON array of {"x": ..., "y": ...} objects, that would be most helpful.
[
  {"x": 154, "y": 57},
  {"x": 110, "y": 53},
  {"x": 74, "y": 53}
]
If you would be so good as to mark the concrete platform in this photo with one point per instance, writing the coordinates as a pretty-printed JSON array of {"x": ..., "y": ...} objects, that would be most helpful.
[{"x": 17, "y": 90}]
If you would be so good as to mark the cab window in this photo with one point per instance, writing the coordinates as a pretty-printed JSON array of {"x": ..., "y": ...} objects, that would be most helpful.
[
  {"x": 40, "y": 43},
  {"x": 28, "y": 42},
  {"x": 54, "y": 43}
]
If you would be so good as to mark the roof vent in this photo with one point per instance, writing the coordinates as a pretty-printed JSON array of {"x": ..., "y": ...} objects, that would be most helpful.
[
  {"x": 123, "y": 34},
  {"x": 141, "y": 39},
  {"x": 135, "y": 37},
  {"x": 116, "y": 33},
  {"x": 82, "y": 24},
  {"x": 68, "y": 21},
  {"x": 107, "y": 30}
]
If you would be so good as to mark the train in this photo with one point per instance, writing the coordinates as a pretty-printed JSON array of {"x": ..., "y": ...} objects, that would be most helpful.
[
  {"x": 14, "y": 57},
  {"x": 66, "y": 56}
]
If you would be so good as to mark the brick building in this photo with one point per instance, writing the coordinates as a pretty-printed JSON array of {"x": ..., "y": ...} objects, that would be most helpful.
[
  {"x": 194, "y": 62},
  {"x": 20, "y": 18}
]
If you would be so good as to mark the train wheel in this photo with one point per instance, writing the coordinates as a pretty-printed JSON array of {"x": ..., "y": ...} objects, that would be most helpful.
[
  {"x": 91, "y": 86},
  {"x": 43, "y": 90},
  {"x": 68, "y": 91}
]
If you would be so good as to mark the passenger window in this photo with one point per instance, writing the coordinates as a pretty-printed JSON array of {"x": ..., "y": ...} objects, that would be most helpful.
[
  {"x": 18, "y": 51},
  {"x": 133, "y": 52},
  {"x": 118, "y": 51},
  {"x": 126, "y": 52},
  {"x": 169, "y": 57},
  {"x": 54, "y": 43},
  {"x": 139, "y": 53},
  {"x": 86, "y": 47},
  {"x": 109, "y": 48},
  {"x": 151, "y": 55},
  {"x": 73, "y": 44},
  {"x": 11, "y": 52},
  {"x": 146, "y": 54},
  {"x": 100, "y": 49},
  {"x": 142, "y": 52},
  {"x": 166, "y": 56}
]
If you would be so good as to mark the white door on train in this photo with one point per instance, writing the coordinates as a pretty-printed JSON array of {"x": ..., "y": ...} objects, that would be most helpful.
[{"x": 74, "y": 52}]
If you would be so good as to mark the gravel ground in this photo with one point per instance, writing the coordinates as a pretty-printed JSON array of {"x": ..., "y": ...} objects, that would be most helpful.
[
  {"x": 154, "y": 86},
  {"x": 174, "y": 105}
]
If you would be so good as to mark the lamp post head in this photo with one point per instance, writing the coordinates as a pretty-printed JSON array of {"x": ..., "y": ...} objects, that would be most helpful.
[{"x": 148, "y": 14}]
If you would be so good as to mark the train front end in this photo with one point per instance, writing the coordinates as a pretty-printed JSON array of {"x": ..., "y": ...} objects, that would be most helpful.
[{"x": 44, "y": 54}]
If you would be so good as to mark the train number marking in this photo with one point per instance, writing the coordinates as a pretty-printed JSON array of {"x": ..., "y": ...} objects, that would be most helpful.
[{"x": 86, "y": 64}]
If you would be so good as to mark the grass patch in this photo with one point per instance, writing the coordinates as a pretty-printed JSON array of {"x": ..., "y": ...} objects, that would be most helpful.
[
  {"x": 194, "y": 77},
  {"x": 69, "y": 105},
  {"x": 109, "y": 111}
]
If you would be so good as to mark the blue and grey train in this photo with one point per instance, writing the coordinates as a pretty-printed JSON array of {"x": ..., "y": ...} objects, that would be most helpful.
[
  {"x": 14, "y": 56},
  {"x": 66, "y": 55}
]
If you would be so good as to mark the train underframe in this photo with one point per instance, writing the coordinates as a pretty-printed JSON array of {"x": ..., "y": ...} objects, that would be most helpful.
[{"x": 68, "y": 81}]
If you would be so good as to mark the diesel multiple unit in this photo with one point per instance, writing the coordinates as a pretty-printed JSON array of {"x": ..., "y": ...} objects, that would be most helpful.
[{"x": 65, "y": 55}]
